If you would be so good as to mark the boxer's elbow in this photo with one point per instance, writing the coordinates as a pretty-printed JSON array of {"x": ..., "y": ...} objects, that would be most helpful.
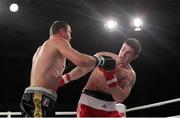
[
  {"x": 119, "y": 95},
  {"x": 119, "y": 98}
]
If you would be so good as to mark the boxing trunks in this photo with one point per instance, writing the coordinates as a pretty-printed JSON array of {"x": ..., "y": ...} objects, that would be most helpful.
[
  {"x": 38, "y": 102},
  {"x": 97, "y": 104}
]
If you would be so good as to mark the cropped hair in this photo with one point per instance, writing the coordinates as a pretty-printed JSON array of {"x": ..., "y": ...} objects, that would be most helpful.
[
  {"x": 135, "y": 44},
  {"x": 56, "y": 26}
]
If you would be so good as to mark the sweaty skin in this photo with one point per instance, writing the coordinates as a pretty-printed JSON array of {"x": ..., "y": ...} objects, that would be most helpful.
[
  {"x": 47, "y": 65},
  {"x": 124, "y": 73},
  {"x": 125, "y": 76},
  {"x": 49, "y": 60}
]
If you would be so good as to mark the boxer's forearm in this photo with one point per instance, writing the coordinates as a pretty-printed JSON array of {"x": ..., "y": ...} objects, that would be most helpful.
[
  {"x": 75, "y": 74},
  {"x": 79, "y": 72},
  {"x": 119, "y": 94}
]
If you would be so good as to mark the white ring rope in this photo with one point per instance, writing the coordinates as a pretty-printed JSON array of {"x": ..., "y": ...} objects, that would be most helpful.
[
  {"x": 66, "y": 113},
  {"x": 153, "y": 105},
  {"x": 57, "y": 113},
  {"x": 127, "y": 110}
]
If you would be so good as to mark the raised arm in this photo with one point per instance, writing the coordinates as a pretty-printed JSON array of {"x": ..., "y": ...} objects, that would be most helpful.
[
  {"x": 71, "y": 54},
  {"x": 78, "y": 72},
  {"x": 74, "y": 74},
  {"x": 120, "y": 82},
  {"x": 122, "y": 91},
  {"x": 123, "y": 88},
  {"x": 80, "y": 59}
]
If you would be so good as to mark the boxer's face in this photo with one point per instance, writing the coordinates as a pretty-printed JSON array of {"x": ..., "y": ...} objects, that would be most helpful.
[
  {"x": 126, "y": 54},
  {"x": 66, "y": 33}
]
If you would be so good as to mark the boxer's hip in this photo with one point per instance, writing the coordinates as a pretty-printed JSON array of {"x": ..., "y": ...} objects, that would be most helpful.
[
  {"x": 38, "y": 101},
  {"x": 44, "y": 91},
  {"x": 97, "y": 100}
]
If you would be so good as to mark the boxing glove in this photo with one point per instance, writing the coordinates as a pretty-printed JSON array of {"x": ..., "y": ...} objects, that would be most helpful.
[
  {"x": 106, "y": 62},
  {"x": 110, "y": 77}
]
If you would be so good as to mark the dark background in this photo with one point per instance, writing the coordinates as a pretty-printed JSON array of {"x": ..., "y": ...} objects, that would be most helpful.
[{"x": 157, "y": 67}]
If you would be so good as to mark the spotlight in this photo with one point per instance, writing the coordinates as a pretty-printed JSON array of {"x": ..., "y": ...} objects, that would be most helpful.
[
  {"x": 13, "y": 7},
  {"x": 111, "y": 25},
  {"x": 137, "y": 24}
]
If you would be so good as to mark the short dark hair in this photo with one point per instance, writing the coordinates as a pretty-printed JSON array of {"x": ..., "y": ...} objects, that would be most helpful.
[
  {"x": 56, "y": 26},
  {"x": 135, "y": 44}
]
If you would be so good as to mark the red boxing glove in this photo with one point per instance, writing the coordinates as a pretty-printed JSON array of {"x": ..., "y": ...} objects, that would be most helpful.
[
  {"x": 110, "y": 77},
  {"x": 65, "y": 79}
]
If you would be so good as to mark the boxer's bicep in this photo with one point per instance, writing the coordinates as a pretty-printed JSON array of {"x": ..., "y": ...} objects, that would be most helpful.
[{"x": 68, "y": 52}]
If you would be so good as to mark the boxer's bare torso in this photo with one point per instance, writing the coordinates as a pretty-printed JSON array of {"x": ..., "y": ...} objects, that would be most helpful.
[
  {"x": 124, "y": 74},
  {"x": 47, "y": 65}
]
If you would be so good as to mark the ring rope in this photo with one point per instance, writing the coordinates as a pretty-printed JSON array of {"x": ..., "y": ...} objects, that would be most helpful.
[
  {"x": 127, "y": 110},
  {"x": 153, "y": 105}
]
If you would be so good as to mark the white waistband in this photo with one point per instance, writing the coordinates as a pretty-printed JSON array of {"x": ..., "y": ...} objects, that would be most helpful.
[
  {"x": 97, "y": 103},
  {"x": 46, "y": 91}
]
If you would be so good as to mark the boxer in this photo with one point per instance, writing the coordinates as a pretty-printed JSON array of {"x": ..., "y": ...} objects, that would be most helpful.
[
  {"x": 106, "y": 87},
  {"x": 48, "y": 64}
]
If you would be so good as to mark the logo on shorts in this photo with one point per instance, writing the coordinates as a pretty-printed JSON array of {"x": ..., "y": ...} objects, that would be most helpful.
[
  {"x": 46, "y": 102},
  {"x": 104, "y": 106}
]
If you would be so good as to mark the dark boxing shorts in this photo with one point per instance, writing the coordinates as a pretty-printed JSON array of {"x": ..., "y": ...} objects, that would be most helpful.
[{"x": 38, "y": 102}]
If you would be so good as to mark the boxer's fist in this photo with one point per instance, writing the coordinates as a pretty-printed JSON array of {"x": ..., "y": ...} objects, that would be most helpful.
[
  {"x": 110, "y": 77},
  {"x": 105, "y": 62},
  {"x": 64, "y": 79}
]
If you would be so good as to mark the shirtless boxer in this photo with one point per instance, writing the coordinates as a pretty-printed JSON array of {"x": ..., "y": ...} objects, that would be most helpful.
[
  {"x": 106, "y": 88},
  {"x": 48, "y": 64}
]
